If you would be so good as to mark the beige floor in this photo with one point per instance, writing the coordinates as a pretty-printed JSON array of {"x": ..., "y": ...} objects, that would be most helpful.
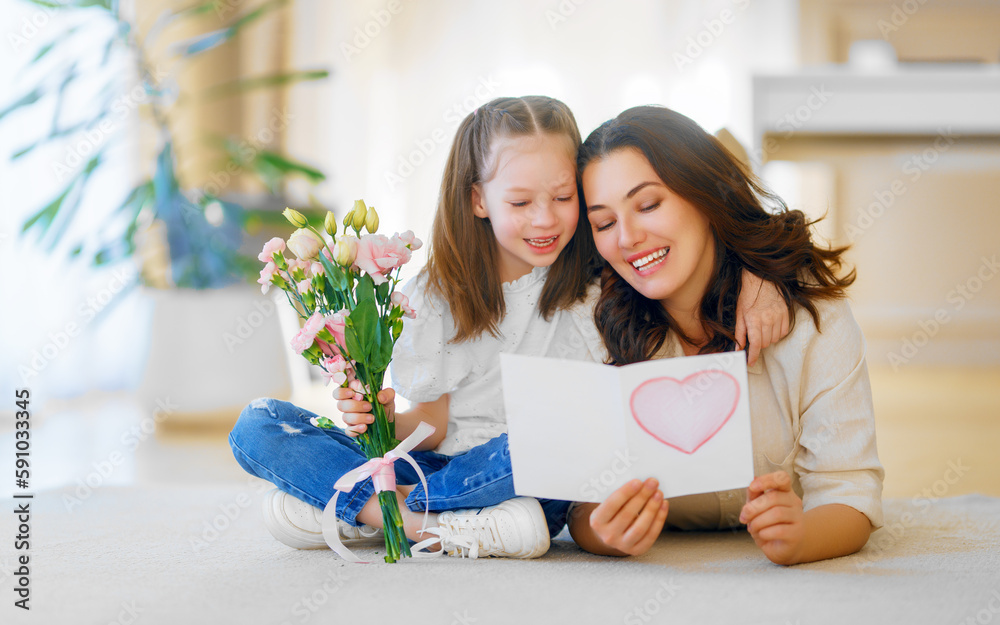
[
  {"x": 932, "y": 422},
  {"x": 938, "y": 435}
]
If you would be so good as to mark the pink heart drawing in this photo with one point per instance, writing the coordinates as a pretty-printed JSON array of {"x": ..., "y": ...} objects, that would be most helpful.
[{"x": 685, "y": 414}]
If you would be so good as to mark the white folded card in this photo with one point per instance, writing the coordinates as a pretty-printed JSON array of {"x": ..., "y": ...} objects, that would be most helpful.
[{"x": 577, "y": 430}]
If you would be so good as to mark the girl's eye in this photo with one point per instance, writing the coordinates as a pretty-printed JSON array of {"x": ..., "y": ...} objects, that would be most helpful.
[
  {"x": 646, "y": 209},
  {"x": 604, "y": 226},
  {"x": 519, "y": 204},
  {"x": 566, "y": 198}
]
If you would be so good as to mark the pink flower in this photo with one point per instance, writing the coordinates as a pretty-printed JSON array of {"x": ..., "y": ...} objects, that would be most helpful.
[
  {"x": 304, "y": 286},
  {"x": 334, "y": 369},
  {"x": 335, "y": 323},
  {"x": 316, "y": 269},
  {"x": 403, "y": 302},
  {"x": 266, "y": 274},
  {"x": 274, "y": 245},
  {"x": 410, "y": 240},
  {"x": 378, "y": 255},
  {"x": 307, "y": 335}
]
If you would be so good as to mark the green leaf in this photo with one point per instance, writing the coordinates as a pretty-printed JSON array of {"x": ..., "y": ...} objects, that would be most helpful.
[
  {"x": 257, "y": 13},
  {"x": 203, "y": 42},
  {"x": 69, "y": 209},
  {"x": 43, "y": 218},
  {"x": 45, "y": 50},
  {"x": 325, "y": 423},
  {"x": 262, "y": 82},
  {"x": 26, "y": 100},
  {"x": 361, "y": 330},
  {"x": 335, "y": 275},
  {"x": 366, "y": 289},
  {"x": 383, "y": 292},
  {"x": 288, "y": 166},
  {"x": 382, "y": 353}
]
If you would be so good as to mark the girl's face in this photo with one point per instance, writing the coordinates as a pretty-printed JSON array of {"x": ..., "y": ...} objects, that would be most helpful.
[
  {"x": 530, "y": 200},
  {"x": 653, "y": 238}
]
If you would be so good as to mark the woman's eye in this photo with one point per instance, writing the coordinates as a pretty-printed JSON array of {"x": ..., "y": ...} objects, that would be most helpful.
[
  {"x": 565, "y": 198},
  {"x": 604, "y": 226},
  {"x": 519, "y": 204},
  {"x": 646, "y": 209}
]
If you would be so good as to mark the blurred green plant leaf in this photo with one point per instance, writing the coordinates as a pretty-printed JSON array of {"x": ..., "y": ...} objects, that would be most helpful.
[
  {"x": 214, "y": 39},
  {"x": 263, "y": 82}
]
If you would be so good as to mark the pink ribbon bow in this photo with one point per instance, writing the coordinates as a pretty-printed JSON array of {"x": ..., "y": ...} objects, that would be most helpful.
[{"x": 383, "y": 479}]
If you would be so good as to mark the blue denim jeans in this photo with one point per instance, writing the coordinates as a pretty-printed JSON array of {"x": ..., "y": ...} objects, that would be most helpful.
[{"x": 274, "y": 440}]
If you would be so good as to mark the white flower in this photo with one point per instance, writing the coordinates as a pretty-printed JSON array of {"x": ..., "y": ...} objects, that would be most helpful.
[{"x": 305, "y": 244}]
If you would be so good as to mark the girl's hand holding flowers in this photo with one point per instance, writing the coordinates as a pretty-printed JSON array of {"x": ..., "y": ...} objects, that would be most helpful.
[{"x": 357, "y": 412}]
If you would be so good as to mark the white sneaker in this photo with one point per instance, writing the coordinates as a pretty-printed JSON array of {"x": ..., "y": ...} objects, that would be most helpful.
[
  {"x": 515, "y": 528},
  {"x": 300, "y": 525}
]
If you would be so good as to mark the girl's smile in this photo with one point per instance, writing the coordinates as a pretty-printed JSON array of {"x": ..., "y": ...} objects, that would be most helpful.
[{"x": 530, "y": 201}]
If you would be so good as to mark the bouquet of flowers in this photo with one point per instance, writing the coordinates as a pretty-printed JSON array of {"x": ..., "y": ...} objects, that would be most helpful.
[{"x": 344, "y": 290}]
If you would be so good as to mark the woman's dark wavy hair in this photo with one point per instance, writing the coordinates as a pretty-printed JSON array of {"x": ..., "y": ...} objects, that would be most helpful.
[
  {"x": 775, "y": 245},
  {"x": 463, "y": 259}
]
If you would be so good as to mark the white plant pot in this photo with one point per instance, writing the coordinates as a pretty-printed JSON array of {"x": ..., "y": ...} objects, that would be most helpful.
[{"x": 211, "y": 352}]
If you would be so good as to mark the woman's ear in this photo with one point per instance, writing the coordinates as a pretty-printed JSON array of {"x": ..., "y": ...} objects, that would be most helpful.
[{"x": 478, "y": 207}]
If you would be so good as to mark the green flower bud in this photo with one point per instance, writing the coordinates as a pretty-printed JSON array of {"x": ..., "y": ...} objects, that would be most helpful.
[{"x": 296, "y": 218}]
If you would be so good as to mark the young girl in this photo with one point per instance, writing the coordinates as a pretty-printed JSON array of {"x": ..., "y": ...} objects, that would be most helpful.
[
  {"x": 678, "y": 220},
  {"x": 508, "y": 270}
]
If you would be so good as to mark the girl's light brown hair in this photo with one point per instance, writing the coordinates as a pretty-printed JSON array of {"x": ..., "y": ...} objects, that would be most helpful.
[
  {"x": 775, "y": 245},
  {"x": 463, "y": 259}
]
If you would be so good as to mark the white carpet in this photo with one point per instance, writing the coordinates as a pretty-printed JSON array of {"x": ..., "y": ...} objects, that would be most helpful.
[{"x": 127, "y": 555}]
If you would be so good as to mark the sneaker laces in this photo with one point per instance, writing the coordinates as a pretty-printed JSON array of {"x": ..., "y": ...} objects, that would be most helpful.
[{"x": 465, "y": 535}]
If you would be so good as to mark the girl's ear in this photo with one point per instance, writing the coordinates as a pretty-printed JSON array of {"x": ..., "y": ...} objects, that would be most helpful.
[{"x": 478, "y": 206}]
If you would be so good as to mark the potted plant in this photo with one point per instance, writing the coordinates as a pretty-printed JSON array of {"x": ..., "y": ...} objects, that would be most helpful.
[{"x": 213, "y": 337}]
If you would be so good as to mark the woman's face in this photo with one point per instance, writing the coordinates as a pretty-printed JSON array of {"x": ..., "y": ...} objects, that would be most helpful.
[{"x": 653, "y": 238}]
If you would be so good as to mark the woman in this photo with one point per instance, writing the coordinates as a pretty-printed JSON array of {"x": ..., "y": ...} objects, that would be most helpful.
[{"x": 677, "y": 219}]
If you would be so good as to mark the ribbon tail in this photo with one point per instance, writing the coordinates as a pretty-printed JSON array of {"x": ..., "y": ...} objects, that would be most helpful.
[
  {"x": 332, "y": 535},
  {"x": 423, "y": 482}
]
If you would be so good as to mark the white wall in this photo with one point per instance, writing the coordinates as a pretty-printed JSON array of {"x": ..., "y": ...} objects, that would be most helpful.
[{"x": 410, "y": 80}]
